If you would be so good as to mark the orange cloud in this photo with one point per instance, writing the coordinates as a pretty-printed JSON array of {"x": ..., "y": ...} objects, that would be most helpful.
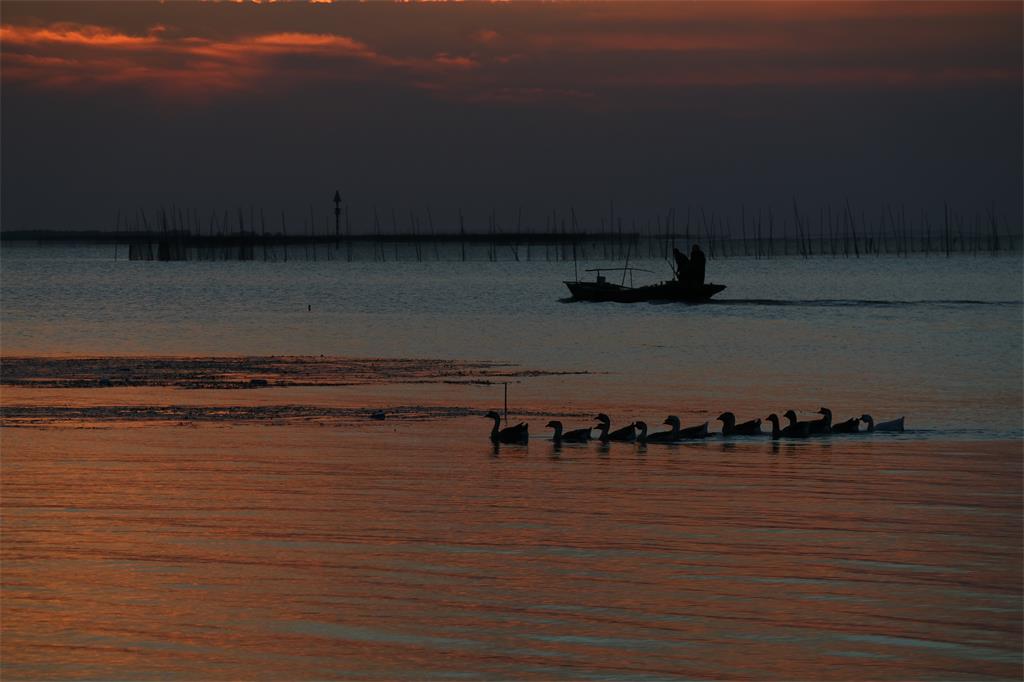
[
  {"x": 250, "y": 48},
  {"x": 65, "y": 55},
  {"x": 306, "y": 40},
  {"x": 486, "y": 35},
  {"x": 458, "y": 62},
  {"x": 75, "y": 34},
  {"x": 557, "y": 51}
]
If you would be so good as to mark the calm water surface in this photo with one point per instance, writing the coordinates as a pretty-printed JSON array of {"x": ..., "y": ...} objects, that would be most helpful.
[
  {"x": 411, "y": 549},
  {"x": 937, "y": 339},
  {"x": 417, "y": 551}
]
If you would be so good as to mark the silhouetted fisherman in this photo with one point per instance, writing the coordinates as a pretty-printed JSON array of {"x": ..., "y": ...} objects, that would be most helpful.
[
  {"x": 682, "y": 264},
  {"x": 697, "y": 263}
]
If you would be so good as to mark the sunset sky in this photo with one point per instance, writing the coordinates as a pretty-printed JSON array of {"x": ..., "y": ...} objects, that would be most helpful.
[{"x": 220, "y": 105}]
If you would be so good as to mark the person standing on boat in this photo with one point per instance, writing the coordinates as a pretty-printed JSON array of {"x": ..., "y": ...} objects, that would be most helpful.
[
  {"x": 697, "y": 263},
  {"x": 682, "y": 265}
]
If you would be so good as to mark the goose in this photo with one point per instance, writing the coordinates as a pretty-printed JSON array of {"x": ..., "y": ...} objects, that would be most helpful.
[
  {"x": 823, "y": 425},
  {"x": 891, "y": 425},
  {"x": 676, "y": 433},
  {"x": 698, "y": 431},
  {"x": 574, "y": 436},
  {"x": 795, "y": 429},
  {"x": 520, "y": 433},
  {"x": 641, "y": 428},
  {"x": 669, "y": 436},
  {"x": 627, "y": 434},
  {"x": 848, "y": 426},
  {"x": 731, "y": 428}
]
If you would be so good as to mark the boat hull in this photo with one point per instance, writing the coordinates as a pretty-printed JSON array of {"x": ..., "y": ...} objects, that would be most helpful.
[{"x": 666, "y": 291}]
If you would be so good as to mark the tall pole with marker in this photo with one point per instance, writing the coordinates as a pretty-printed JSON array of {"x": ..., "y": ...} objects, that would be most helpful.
[{"x": 337, "y": 218}]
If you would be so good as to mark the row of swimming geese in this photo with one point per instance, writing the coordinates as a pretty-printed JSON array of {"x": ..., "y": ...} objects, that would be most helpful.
[{"x": 637, "y": 431}]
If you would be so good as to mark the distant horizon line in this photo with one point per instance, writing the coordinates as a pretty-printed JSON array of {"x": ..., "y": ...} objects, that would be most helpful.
[{"x": 823, "y": 219}]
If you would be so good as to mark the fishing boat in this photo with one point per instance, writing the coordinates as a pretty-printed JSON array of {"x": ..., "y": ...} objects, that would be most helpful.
[{"x": 603, "y": 290}]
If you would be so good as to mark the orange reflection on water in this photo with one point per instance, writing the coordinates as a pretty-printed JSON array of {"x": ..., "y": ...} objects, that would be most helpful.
[{"x": 396, "y": 549}]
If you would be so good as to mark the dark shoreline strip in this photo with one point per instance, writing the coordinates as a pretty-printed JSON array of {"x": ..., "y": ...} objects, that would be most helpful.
[
  {"x": 252, "y": 372},
  {"x": 268, "y": 414}
]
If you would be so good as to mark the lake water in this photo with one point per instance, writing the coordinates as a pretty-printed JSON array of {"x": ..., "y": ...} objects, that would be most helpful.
[
  {"x": 158, "y": 532},
  {"x": 936, "y": 339}
]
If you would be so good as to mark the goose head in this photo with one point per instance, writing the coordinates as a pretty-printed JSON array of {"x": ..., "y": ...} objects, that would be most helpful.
[
  {"x": 866, "y": 418},
  {"x": 671, "y": 420},
  {"x": 603, "y": 418},
  {"x": 773, "y": 418},
  {"x": 790, "y": 415},
  {"x": 492, "y": 415},
  {"x": 554, "y": 424},
  {"x": 825, "y": 410},
  {"x": 727, "y": 418}
]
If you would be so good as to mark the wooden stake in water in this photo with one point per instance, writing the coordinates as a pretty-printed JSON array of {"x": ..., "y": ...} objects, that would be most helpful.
[
  {"x": 575, "y": 264},
  {"x": 337, "y": 218},
  {"x": 506, "y": 402},
  {"x": 284, "y": 236}
]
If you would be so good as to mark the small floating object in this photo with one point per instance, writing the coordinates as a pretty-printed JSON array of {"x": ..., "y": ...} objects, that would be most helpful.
[
  {"x": 520, "y": 433},
  {"x": 379, "y": 415},
  {"x": 731, "y": 428},
  {"x": 895, "y": 425}
]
